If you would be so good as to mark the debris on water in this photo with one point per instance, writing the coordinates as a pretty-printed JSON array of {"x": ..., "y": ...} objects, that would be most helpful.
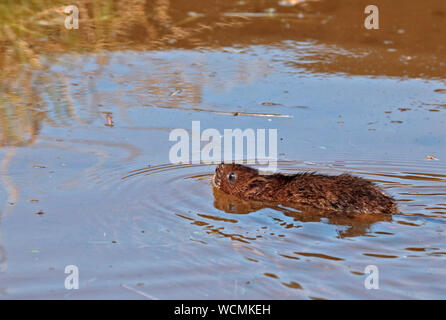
[
  {"x": 34, "y": 250},
  {"x": 440, "y": 90},
  {"x": 109, "y": 120},
  {"x": 397, "y": 121},
  {"x": 172, "y": 94},
  {"x": 428, "y": 157},
  {"x": 144, "y": 294},
  {"x": 194, "y": 14},
  {"x": 288, "y": 3},
  {"x": 270, "y": 11},
  {"x": 234, "y": 50},
  {"x": 270, "y": 104},
  {"x": 40, "y": 213},
  {"x": 404, "y": 109},
  {"x": 434, "y": 110},
  {"x": 108, "y": 116},
  {"x": 191, "y": 16},
  {"x": 33, "y": 200},
  {"x": 38, "y": 166}
]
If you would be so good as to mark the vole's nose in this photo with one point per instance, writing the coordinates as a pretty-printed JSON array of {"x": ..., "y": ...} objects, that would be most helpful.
[{"x": 216, "y": 180}]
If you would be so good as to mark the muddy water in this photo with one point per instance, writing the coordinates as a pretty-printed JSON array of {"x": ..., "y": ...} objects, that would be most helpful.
[{"x": 86, "y": 178}]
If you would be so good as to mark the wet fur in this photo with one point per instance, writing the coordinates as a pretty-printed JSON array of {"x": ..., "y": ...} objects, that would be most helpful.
[{"x": 343, "y": 193}]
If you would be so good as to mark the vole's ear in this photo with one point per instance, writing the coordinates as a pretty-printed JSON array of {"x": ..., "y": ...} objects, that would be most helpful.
[{"x": 255, "y": 186}]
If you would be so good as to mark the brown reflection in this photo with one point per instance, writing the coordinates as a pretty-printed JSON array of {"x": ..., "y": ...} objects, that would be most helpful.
[
  {"x": 20, "y": 111},
  {"x": 355, "y": 225},
  {"x": 230, "y": 204},
  {"x": 19, "y": 126},
  {"x": 410, "y": 41}
]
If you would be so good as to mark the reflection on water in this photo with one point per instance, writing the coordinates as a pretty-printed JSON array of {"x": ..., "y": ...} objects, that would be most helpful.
[
  {"x": 84, "y": 123},
  {"x": 33, "y": 93},
  {"x": 20, "y": 113},
  {"x": 274, "y": 237},
  {"x": 357, "y": 226}
]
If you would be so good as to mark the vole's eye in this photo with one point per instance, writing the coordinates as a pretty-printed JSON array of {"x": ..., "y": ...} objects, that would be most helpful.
[{"x": 232, "y": 176}]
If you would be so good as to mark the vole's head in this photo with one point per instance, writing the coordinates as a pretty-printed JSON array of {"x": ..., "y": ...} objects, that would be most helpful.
[{"x": 234, "y": 178}]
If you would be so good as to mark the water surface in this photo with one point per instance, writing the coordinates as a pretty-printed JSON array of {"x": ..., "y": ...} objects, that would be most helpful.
[{"x": 84, "y": 157}]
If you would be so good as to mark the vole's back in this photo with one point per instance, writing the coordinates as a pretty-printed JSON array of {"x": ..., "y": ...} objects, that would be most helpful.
[
  {"x": 341, "y": 193},
  {"x": 345, "y": 194}
]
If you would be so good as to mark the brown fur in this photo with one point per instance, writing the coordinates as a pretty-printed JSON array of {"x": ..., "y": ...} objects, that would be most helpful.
[{"x": 344, "y": 193}]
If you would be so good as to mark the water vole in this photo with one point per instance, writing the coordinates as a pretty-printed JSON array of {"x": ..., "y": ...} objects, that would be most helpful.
[{"x": 343, "y": 193}]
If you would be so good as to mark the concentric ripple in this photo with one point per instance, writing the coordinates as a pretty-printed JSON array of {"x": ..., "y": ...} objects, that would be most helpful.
[{"x": 277, "y": 248}]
